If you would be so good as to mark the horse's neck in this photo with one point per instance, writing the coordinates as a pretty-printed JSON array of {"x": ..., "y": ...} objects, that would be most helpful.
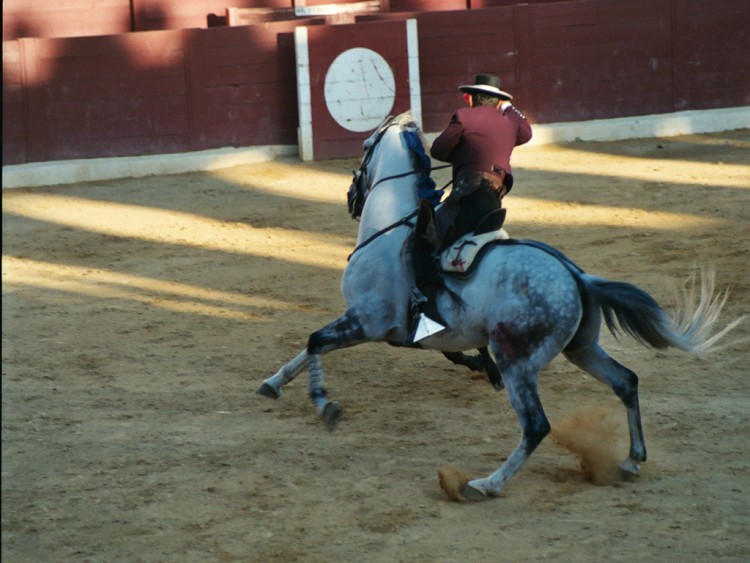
[
  {"x": 389, "y": 202},
  {"x": 393, "y": 197}
]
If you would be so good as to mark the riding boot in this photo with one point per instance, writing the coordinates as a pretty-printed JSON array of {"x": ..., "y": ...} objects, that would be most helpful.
[{"x": 428, "y": 280}]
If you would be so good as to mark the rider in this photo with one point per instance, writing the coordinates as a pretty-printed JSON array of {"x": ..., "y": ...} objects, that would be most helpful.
[{"x": 478, "y": 141}]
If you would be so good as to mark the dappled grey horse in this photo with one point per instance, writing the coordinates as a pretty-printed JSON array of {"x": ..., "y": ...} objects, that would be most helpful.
[{"x": 524, "y": 300}]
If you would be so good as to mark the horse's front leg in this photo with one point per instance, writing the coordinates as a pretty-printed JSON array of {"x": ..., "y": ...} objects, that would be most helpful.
[
  {"x": 273, "y": 386},
  {"x": 345, "y": 331}
]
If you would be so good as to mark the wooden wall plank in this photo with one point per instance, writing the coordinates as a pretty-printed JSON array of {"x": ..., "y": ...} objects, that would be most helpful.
[
  {"x": 119, "y": 146},
  {"x": 481, "y": 4},
  {"x": 181, "y": 14},
  {"x": 333, "y": 13},
  {"x": 303, "y": 3},
  {"x": 65, "y": 18},
  {"x": 599, "y": 55},
  {"x": 594, "y": 12},
  {"x": 100, "y": 96},
  {"x": 119, "y": 88},
  {"x": 15, "y": 6},
  {"x": 524, "y": 97},
  {"x": 453, "y": 47},
  {"x": 14, "y": 123},
  {"x": 424, "y": 5},
  {"x": 243, "y": 85},
  {"x": 710, "y": 46}
]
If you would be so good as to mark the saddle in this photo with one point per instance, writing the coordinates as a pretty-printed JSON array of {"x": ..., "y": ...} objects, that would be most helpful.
[{"x": 459, "y": 257}]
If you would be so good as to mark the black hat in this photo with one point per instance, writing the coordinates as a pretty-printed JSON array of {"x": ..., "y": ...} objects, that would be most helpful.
[{"x": 486, "y": 84}]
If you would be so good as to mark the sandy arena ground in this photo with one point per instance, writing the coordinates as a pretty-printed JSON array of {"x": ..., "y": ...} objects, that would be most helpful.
[{"x": 140, "y": 315}]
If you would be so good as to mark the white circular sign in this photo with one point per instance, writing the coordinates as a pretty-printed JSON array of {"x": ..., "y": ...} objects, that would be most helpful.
[{"x": 359, "y": 89}]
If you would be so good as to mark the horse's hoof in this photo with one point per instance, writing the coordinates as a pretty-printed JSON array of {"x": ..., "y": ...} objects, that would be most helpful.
[
  {"x": 495, "y": 378},
  {"x": 472, "y": 494},
  {"x": 458, "y": 487},
  {"x": 268, "y": 391},
  {"x": 629, "y": 470},
  {"x": 332, "y": 414}
]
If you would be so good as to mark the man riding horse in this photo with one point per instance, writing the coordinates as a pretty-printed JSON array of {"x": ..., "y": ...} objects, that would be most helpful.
[{"x": 478, "y": 142}]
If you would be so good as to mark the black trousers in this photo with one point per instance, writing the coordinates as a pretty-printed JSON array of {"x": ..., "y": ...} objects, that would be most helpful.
[{"x": 459, "y": 217}]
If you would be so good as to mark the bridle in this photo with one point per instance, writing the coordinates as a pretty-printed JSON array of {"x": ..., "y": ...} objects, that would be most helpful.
[{"x": 358, "y": 191}]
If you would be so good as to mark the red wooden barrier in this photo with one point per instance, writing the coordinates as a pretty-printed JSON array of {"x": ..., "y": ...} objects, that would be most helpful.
[
  {"x": 424, "y": 5},
  {"x": 105, "y": 96},
  {"x": 172, "y": 91},
  {"x": 579, "y": 48},
  {"x": 332, "y": 13},
  {"x": 453, "y": 47},
  {"x": 481, "y": 4},
  {"x": 243, "y": 85},
  {"x": 711, "y": 49}
]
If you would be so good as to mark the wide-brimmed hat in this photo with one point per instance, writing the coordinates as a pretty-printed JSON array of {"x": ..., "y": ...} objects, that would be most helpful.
[{"x": 486, "y": 84}]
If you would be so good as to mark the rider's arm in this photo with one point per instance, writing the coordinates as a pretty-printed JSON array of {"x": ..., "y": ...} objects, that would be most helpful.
[
  {"x": 447, "y": 140},
  {"x": 523, "y": 128}
]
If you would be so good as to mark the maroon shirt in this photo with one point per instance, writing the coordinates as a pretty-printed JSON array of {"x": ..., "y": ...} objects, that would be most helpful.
[{"x": 478, "y": 138}]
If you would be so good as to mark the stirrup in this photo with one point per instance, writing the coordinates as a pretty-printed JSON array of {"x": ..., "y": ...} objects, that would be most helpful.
[
  {"x": 426, "y": 227},
  {"x": 426, "y": 327}
]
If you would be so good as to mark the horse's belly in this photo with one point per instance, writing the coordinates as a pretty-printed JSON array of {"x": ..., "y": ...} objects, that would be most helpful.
[{"x": 452, "y": 341}]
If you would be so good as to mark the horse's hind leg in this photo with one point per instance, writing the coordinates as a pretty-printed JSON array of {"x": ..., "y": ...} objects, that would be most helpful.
[
  {"x": 474, "y": 363},
  {"x": 490, "y": 367},
  {"x": 594, "y": 360},
  {"x": 521, "y": 386},
  {"x": 482, "y": 362}
]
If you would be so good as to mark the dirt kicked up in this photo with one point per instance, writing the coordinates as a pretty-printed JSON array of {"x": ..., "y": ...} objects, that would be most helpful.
[{"x": 140, "y": 315}]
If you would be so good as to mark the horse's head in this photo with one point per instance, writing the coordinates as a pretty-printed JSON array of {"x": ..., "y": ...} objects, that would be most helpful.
[{"x": 364, "y": 181}]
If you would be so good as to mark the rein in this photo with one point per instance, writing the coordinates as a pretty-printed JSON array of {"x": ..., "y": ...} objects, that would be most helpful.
[
  {"x": 404, "y": 175},
  {"x": 404, "y": 220},
  {"x": 363, "y": 174}
]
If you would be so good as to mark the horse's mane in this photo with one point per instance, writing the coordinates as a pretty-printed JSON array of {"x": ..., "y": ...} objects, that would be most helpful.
[
  {"x": 415, "y": 140},
  {"x": 407, "y": 122}
]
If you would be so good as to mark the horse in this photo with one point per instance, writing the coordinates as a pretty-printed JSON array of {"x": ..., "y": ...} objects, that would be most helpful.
[{"x": 524, "y": 300}]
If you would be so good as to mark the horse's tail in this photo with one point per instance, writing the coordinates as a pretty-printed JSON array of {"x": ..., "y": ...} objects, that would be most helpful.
[{"x": 630, "y": 309}]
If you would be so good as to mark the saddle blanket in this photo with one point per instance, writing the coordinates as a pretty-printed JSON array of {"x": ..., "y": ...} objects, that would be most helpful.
[{"x": 460, "y": 255}]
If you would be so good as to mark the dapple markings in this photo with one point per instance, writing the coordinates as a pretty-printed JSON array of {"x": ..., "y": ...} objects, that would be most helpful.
[{"x": 525, "y": 300}]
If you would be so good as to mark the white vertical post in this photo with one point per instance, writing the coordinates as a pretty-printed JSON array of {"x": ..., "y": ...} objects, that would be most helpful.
[
  {"x": 415, "y": 86},
  {"x": 304, "y": 96}
]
